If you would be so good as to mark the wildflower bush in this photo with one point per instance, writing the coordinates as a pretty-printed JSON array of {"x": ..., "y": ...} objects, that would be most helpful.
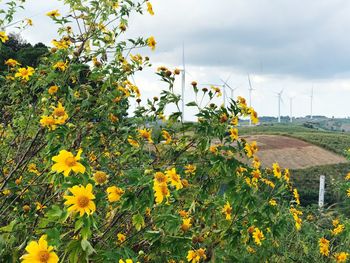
[{"x": 85, "y": 180}]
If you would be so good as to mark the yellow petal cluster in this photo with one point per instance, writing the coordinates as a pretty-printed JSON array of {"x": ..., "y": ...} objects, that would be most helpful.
[
  {"x": 39, "y": 252},
  {"x": 81, "y": 200},
  {"x": 66, "y": 162}
]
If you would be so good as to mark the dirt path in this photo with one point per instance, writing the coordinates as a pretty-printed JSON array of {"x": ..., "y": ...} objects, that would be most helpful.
[{"x": 292, "y": 153}]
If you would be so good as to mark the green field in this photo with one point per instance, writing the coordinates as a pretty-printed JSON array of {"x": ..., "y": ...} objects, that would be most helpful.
[{"x": 307, "y": 180}]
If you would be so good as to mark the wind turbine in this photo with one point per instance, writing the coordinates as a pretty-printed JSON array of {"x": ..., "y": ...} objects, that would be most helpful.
[
  {"x": 279, "y": 95},
  {"x": 250, "y": 97},
  {"x": 228, "y": 86}
]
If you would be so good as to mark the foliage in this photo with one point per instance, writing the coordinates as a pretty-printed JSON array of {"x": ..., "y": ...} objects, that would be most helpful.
[{"x": 84, "y": 180}]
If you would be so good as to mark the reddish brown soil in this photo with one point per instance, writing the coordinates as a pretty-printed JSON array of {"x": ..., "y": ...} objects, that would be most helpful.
[{"x": 292, "y": 153}]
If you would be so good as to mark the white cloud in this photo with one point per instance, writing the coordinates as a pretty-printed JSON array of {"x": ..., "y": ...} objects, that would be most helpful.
[{"x": 288, "y": 44}]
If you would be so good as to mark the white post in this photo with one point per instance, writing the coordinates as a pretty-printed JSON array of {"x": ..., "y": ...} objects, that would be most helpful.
[{"x": 321, "y": 192}]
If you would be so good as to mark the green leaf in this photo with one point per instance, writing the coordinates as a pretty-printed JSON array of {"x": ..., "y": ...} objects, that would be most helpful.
[
  {"x": 9, "y": 227},
  {"x": 191, "y": 104},
  {"x": 138, "y": 221},
  {"x": 86, "y": 246}
]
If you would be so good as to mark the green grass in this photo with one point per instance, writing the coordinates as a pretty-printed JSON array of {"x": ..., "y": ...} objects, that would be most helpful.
[{"x": 307, "y": 182}]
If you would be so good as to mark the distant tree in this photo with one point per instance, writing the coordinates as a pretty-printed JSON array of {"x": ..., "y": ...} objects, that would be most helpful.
[{"x": 22, "y": 51}]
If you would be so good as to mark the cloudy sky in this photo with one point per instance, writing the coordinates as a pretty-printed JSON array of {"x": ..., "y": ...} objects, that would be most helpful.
[{"x": 292, "y": 45}]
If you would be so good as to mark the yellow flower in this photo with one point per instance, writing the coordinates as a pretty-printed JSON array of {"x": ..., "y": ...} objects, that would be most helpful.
[
  {"x": 151, "y": 42},
  {"x": 114, "y": 193},
  {"x": 190, "y": 169},
  {"x": 258, "y": 236},
  {"x": 24, "y": 73},
  {"x": 253, "y": 116},
  {"x": 213, "y": 149},
  {"x": 277, "y": 170},
  {"x": 6, "y": 192},
  {"x": 227, "y": 210},
  {"x": 341, "y": 257},
  {"x": 19, "y": 180},
  {"x": 12, "y": 63},
  {"x": 256, "y": 163},
  {"x": 3, "y": 37},
  {"x": 335, "y": 222},
  {"x": 39, "y": 252},
  {"x": 66, "y": 162},
  {"x": 33, "y": 169},
  {"x": 347, "y": 177},
  {"x": 29, "y": 22},
  {"x": 296, "y": 196},
  {"x": 166, "y": 136},
  {"x": 64, "y": 43},
  {"x": 48, "y": 121},
  {"x": 324, "y": 246},
  {"x": 194, "y": 256},
  {"x": 348, "y": 192},
  {"x": 286, "y": 175},
  {"x": 115, "y": 4},
  {"x": 126, "y": 261},
  {"x": 338, "y": 229},
  {"x": 100, "y": 178},
  {"x": 241, "y": 101},
  {"x": 250, "y": 250},
  {"x": 186, "y": 224},
  {"x": 53, "y": 89},
  {"x": 256, "y": 174},
  {"x": 272, "y": 202},
  {"x": 146, "y": 134},
  {"x": 40, "y": 206},
  {"x": 81, "y": 201},
  {"x": 149, "y": 8},
  {"x": 60, "y": 114},
  {"x": 183, "y": 213},
  {"x": 125, "y": 91},
  {"x": 234, "y": 121},
  {"x": 133, "y": 142},
  {"x": 174, "y": 178},
  {"x": 53, "y": 13},
  {"x": 251, "y": 149},
  {"x": 121, "y": 237},
  {"x": 296, "y": 213},
  {"x": 234, "y": 134},
  {"x": 160, "y": 187},
  {"x": 60, "y": 65},
  {"x": 217, "y": 91}
]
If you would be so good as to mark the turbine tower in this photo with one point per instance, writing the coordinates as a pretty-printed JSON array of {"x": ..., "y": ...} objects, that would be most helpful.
[
  {"x": 279, "y": 95},
  {"x": 250, "y": 97},
  {"x": 228, "y": 86},
  {"x": 183, "y": 83}
]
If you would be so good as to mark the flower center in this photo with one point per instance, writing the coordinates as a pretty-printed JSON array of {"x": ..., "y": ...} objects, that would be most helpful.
[
  {"x": 70, "y": 161},
  {"x": 100, "y": 177},
  {"x": 44, "y": 256},
  {"x": 83, "y": 201},
  {"x": 59, "y": 112}
]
